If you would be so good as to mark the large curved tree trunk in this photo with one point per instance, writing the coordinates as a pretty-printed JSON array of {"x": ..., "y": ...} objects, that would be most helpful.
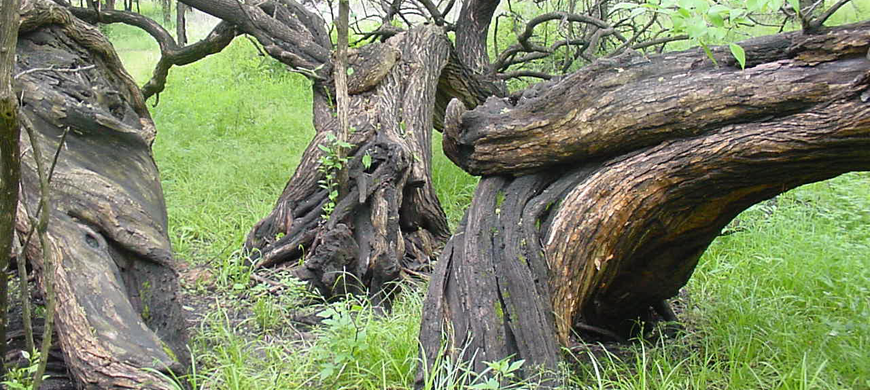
[
  {"x": 119, "y": 308},
  {"x": 604, "y": 191},
  {"x": 390, "y": 219}
]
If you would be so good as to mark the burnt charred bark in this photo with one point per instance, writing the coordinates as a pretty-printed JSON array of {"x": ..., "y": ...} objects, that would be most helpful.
[
  {"x": 119, "y": 308},
  {"x": 606, "y": 187}
]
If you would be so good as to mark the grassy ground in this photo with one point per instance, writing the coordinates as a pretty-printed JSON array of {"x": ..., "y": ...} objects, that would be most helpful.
[{"x": 782, "y": 303}]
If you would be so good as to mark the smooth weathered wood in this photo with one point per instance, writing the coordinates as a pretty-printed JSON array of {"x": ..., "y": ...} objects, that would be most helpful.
[{"x": 119, "y": 308}]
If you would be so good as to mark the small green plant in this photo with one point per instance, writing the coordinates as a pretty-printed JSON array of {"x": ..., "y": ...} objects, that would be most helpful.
[
  {"x": 501, "y": 371},
  {"x": 21, "y": 378},
  {"x": 266, "y": 314},
  {"x": 233, "y": 273},
  {"x": 189, "y": 381},
  {"x": 330, "y": 164},
  {"x": 340, "y": 320}
]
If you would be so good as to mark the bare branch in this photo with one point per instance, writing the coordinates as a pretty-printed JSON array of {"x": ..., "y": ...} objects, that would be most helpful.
[
  {"x": 660, "y": 41},
  {"x": 294, "y": 36},
  {"x": 64, "y": 70},
  {"x": 216, "y": 41},
  {"x": 525, "y": 73},
  {"x": 818, "y": 22}
]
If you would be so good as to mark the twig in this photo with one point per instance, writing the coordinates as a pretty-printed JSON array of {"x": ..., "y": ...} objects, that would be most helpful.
[
  {"x": 415, "y": 273},
  {"x": 50, "y": 175},
  {"x": 258, "y": 278},
  {"x": 817, "y": 22},
  {"x": 48, "y": 267},
  {"x": 53, "y": 69}
]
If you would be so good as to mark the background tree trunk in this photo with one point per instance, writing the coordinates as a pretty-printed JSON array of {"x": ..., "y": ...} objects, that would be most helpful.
[
  {"x": 181, "y": 24},
  {"x": 119, "y": 307},
  {"x": 166, "y": 5},
  {"x": 610, "y": 212}
]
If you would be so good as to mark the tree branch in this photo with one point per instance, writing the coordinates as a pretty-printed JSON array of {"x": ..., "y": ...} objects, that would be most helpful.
[
  {"x": 295, "y": 36},
  {"x": 820, "y": 21},
  {"x": 809, "y": 68}
]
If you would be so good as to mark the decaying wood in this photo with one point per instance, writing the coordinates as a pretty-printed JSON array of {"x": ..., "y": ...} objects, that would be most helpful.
[
  {"x": 119, "y": 308},
  {"x": 390, "y": 218},
  {"x": 605, "y": 188}
]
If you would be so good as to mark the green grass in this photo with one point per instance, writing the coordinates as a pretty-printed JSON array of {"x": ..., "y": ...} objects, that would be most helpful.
[
  {"x": 231, "y": 131},
  {"x": 783, "y": 303}
]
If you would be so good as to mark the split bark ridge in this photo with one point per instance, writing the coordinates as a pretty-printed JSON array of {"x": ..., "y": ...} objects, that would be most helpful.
[
  {"x": 119, "y": 308},
  {"x": 608, "y": 212}
]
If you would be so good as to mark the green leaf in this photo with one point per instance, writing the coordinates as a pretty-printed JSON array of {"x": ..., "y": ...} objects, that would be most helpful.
[
  {"x": 516, "y": 365},
  {"x": 774, "y": 5},
  {"x": 350, "y": 71},
  {"x": 697, "y": 27},
  {"x": 718, "y": 9},
  {"x": 795, "y": 4},
  {"x": 367, "y": 160},
  {"x": 739, "y": 54},
  {"x": 323, "y": 148},
  {"x": 716, "y": 20},
  {"x": 753, "y": 5},
  {"x": 709, "y": 53}
]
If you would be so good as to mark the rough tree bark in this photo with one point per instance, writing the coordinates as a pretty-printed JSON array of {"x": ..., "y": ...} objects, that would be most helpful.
[
  {"x": 606, "y": 188},
  {"x": 390, "y": 218},
  {"x": 181, "y": 24},
  {"x": 600, "y": 191},
  {"x": 119, "y": 308},
  {"x": 10, "y": 160}
]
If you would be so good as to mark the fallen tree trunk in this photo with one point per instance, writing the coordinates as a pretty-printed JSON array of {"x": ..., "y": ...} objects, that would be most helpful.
[
  {"x": 119, "y": 308},
  {"x": 607, "y": 187}
]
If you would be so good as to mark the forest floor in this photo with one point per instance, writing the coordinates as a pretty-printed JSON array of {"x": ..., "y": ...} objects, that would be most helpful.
[{"x": 780, "y": 301}]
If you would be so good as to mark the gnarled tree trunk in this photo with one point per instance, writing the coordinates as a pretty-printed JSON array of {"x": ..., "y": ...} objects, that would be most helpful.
[
  {"x": 119, "y": 308},
  {"x": 390, "y": 218},
  {"x": 601, "y": 193}
]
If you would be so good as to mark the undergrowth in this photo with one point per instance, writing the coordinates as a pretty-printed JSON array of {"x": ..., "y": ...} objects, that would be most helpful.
[{"x": 781, "y": 302}]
